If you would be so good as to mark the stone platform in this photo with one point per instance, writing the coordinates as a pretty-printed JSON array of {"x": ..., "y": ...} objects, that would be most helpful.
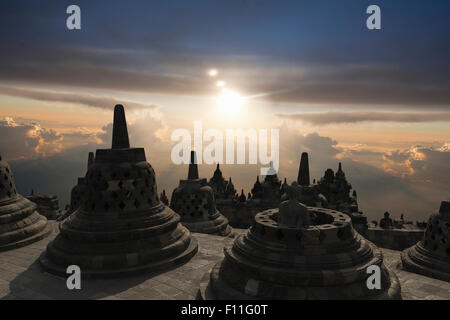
[{"x": 21, "y": 277}]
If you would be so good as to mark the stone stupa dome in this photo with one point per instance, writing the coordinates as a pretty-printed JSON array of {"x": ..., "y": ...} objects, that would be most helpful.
[
  {"x": 314, "y": 254},
  {"x": 431, "y": 256},
  {"x": 121, "y": 226},
  {"x": 194, "y": 201},
  {"x": 20, "y": 223}
]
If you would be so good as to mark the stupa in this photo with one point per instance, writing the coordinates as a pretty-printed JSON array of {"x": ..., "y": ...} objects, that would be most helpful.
[
  {"x": 20, "y": 223},
  {"x": 299, "y": 252},
  {"x": 47, "y": 205},
  {"x": 194, "y": 201},
  {"x": 121, "y": 226},
  {"x": 308, "y": 193},
  {"x": 78, "y": 191},
  {"x": 431, "y": 256}
]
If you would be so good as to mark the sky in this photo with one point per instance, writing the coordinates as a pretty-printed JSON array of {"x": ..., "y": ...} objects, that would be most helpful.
[{"x": 376, "y": 100}]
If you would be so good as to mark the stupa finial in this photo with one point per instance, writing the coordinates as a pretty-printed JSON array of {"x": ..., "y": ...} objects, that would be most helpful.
[
  {"x": 90, "y": 159},
  {"x": 120, "y": 132},
  {"x": 303, "y": 172},
  {"x": 193, "y": 168}
]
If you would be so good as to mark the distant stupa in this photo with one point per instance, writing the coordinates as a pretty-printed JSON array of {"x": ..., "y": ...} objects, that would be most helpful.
[
  {"x": 20, "y": 223},
  {"x": 194, "y": 201},
  {"x": 121, "y": 227}
]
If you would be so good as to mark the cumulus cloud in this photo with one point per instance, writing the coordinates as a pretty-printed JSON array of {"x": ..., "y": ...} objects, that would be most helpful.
[
  {"x": 337, "y": 117},
  {"x": 57, "y": 172},
  {"x": 20, "y": 140},
  {"x": 421, "y": 164},
  {"x": 87, "y": 100},
  {"x": 411, "y": 181}
]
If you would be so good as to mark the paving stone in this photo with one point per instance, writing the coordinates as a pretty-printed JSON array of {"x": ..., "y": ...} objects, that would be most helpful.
[{"x": 179, "y": 283}]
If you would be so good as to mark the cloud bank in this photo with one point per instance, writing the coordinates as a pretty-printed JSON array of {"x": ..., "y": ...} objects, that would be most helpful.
[
  {"x": 337, "y": 117},
  {"x": 87, "y": 100}
]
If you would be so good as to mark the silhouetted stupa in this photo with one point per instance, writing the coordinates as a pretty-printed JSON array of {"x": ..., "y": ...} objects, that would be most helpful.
[
  {"x": 431, "y": 256},
  {"x": 194, "y": 201},
  {"x": 20, "y": 223},
  {"x": 121, "y": 226},
  {"x": 299, "y": 252},
  {"x": 78, "y": 192}
]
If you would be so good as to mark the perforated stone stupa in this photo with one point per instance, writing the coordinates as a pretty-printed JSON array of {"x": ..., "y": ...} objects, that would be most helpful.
[
  {"x": 194, "y": 201},
  {"x": 431, "y": 256},
  {"x": 121, "y": 226},
  {"x": 299, "y": 252},
  {"x": 20, "y": 223},
  {"x": 78, "y": 191}
]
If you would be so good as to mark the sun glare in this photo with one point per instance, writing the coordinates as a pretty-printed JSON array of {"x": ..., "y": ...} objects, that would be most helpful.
[
  {"x": 213, "y": 72},
  {"x": 230, "y": 102}
]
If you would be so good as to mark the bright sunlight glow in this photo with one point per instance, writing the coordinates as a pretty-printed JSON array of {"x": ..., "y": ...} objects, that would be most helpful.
[{"x": 230, "y": 102}]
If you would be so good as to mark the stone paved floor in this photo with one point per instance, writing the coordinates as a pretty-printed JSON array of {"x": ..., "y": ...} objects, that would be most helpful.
[{"x": 21, "y": 277}]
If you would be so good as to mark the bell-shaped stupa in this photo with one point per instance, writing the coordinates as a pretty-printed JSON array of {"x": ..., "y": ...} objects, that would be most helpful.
[
  {"x": 20, "y": 223},
  {"x": 121, "y": 227},
  {"x": 194, "y": 201},
  {"x": 78, "y": 192},
  {"x": 299, "y": 252},
  {"x": 431, "y": 256}
]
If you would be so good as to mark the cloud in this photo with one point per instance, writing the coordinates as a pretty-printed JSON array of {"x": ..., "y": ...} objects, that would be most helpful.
[
  {"x": 57, "y": 172},
  {"x": 379, "y": 189},
  {"x": 181, "y": 71},
  {"x": 20, "y": 140},
  {"x": 337, "y": 117},
  {"x": 421, "y": 165},
  {"x": 84, "y": 99},
  {"x": 411, "y": 181}
]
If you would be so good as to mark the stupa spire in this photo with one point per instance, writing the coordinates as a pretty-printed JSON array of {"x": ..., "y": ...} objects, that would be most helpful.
[
  {"x": 193, "y": 168},
  {"x": 90, "y": 159},
  {"x": 120, "y": 132},
  {"x": 303, "y": 172}
]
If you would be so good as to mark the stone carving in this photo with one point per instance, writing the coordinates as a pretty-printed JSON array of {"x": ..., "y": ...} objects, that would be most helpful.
[
  {"x": 293, "y": 214},
  {"x": 386, "y": 222}
]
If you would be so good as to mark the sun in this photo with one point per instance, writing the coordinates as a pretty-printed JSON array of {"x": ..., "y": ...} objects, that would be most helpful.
[{"x": 230, "y": 102}]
